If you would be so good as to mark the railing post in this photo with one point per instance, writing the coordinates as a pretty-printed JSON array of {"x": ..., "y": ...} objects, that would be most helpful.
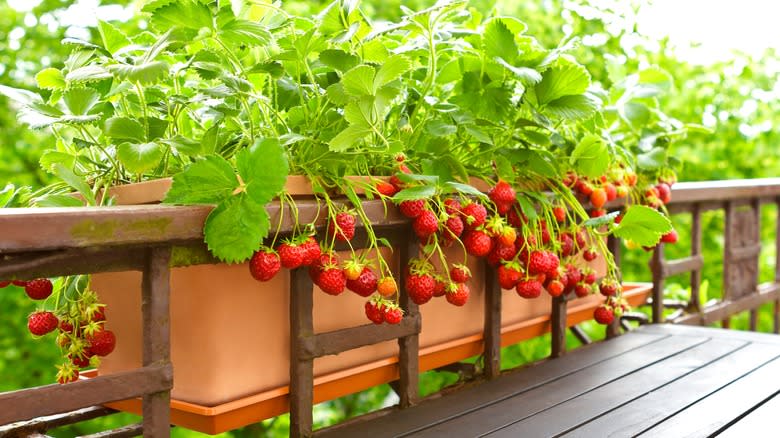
[
  {"x": 777, "y": 266},
  {"x": 155, "y": 307},
  {"x": 657, "y": 266},
  {"x": 408, "y": 346},
  {"x": 613, "y": 243},
  {"x": 694, "y": 303},
  {"x": 558, "y": 329},
  {"x": 492, "y": 329},
  {"x": 301, "y": 364},
  {"x": 756, "y": 205}
]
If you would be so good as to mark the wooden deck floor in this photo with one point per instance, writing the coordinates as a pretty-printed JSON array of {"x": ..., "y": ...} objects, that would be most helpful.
[{"x": 657, "y": 381}]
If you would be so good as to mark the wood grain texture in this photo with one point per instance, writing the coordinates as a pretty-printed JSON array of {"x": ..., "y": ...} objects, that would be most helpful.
[
  {"x": 338, "y": 341},
  {"x": 492, "y": 324},
  {"x": 55, "y": 399},
  {"x": 301, "y": 366},
  {"x": 762, "y": 420}
]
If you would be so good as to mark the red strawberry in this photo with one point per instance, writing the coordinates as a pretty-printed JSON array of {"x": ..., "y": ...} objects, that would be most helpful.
[
  {"x": 99, "y": 314},
  {"x": 425, "y": 225},
  {"x": 530, "y": 288},
  {"x": 514, "y": 218},
  {"x": 102, "y": 342},
  {"x": 38, "y": 289},
  {"x": 608, "y": 288},
  {"x": 560, "y": 214},
  {"x": 374, "y": 311},
  {"x": 597, "y": 212},
  {"x": 79, "y": 361},
  {"x": 582, "y": 290},
  {"x": 452, "y": 206},
  {"x": 555, "y": 288},
  {"x": 387, "y": 286},
  {"x": 420, "y": 287},
  {"x": 567, "y": 244},
  {"x": 509, "y": 275},
  {"x": 4, "y": 283},
  {"x": 477, "y": 243},
  {"x": 343, "y": 227},
  {"x": 573, "y": 275},
  {"x": 598, "y": 198},
  {"x": 316, "y": 268},
  {"x": 670, "y": 237},
  {"x": 460, "y": 273},
  {"x": 502, "y": 193},
  {"x": 365, "y": 284},
  {"x": 453, "y": 228},
  {"x": 412, "y": 209},
  {"x": 332, "y": 281},
  {"x": 441, "y": 287},
  {"x": 66, "y": 327},
  {"x": 474, "y": 215},
  {"x": 312, "y": 251},
  {"x": 570, "y": 179},
  {"x": 590, "y": 278},
  {"x": 385, "y": 188},
  {"x": 503, "y": 208},
  {"x": 458, "y": 295},
  {"x": 581, "y": 237},
  {"x": 20, "y": 283},
  {"x": 604, "y": 314},
  {"x": 392, "y": 314},
  {"x": 584, "y": 187},
  {"x": 264, "y": 265},
  {"x": 291, "y": 255},
  {"x": 664, "y": 192},
  {"x": 501, "y": 253},
  {"x": 589, "y": 255},
  {"x": 542, "y": 262},
  {"x": 41, "y": 322},
  {"x": 630, "y": 179},
  {"x": 611, "y": 191}
]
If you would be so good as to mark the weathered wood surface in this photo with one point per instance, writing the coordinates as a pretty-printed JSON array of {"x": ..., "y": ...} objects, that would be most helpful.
[{"x": 698, "y": 380}]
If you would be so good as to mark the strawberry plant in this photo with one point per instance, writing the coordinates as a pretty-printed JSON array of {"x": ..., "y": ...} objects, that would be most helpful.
[{"x": 487, "y": 141}]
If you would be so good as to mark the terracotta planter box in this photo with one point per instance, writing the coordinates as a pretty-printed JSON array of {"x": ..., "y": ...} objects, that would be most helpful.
[{"x": 230, "y": 337}]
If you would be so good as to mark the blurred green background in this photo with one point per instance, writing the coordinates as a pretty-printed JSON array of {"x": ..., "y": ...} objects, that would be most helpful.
[{"x": 736, "y": 95}]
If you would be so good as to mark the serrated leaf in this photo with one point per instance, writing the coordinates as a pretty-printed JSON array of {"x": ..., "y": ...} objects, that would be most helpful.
[
  {"x": 243, "y": 32},
  {"x": 643, "y": 225},
  {"x": 465, "y": 189},
  {"x": 235, "y": 229},
  {"x": 51, "y": 157},
  {"x": 564, "y": 79},
  {"x": 652, "y": 160},
  {"x": 206, "y": 181},
  {"x": 526, "y": 206},
  {"x": 359, "y": 81},
  {"x": 440, "y": 128},
  {"x": 525, "y": 74},
  {"x": 263, "y": 168},
  {"x": 139, "y": 158},
  {"x": 123, "y": 128},
  {"x": 113, "y": 38},
  {"x": 80, "y": 100},
  {"x": 412, "y": 193},
  {"x": 348, "y": 137},
  {"x": 20, "y": 95},
  {"x": 478, "y": 134},
  {"x": 187, "y": 14},
  {"x": 338, "y": 59},
  {"x": 146, "y": 74},
  {"x": 89, "y": 73},
  {"x": 81, "y": 44},
  {"x": 596, "y": 222},
  {"x": 504, "y": 168},
  {"x": 393, "y": 68},
  {"x": 572, "y": 107},
  {"x": 184, "y": 145},
  {"x": 76, "y": 182},
  {"x": 591, "y": 156},
  {"x": 498, "y": 41},
  {"x": 55, "y": 200},
  {"x": 50, "y": 79}
]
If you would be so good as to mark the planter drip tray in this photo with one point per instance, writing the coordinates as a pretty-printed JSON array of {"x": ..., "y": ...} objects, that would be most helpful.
[{"x": 266, "y": 404}]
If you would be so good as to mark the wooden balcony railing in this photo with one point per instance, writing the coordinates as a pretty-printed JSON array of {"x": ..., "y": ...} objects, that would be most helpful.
[{"x": 41, "y": 243}]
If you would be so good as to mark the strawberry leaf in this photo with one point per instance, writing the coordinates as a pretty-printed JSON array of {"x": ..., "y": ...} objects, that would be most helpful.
[
  {"x": 643, "y": 225},
  {"x": 235, "y": 229},
  {"x": 139, "y": 158},
  {"x": 263, "y": 169},
  {"x": 50, "y": 79},
  {"x": 591, "y": 157},
  {"x": 207, "y": 181},
  {"x": 412, "y": 193}
]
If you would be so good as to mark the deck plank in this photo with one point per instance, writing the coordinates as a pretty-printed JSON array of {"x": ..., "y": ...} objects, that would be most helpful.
[
  {"x": 496, "y": 415},
  {"x": 763, "y": 419},
  {"x": 652, "y": 408},
  {"x": 443, "y": 408},
  {"x": 569, "y": 414},
  {"x": 722, "y": 407}
]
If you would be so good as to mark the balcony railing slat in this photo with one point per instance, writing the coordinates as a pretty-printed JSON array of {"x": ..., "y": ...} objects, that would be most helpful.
[
  {"x": 720, "y": 311},
  {"x": 55, "y": 399},
  {"x": 681, "y": 266},
  {"x": 52, "y": 421},
  {"x": 337, "y": 341},
  {"x": 128, "y": 431}
]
